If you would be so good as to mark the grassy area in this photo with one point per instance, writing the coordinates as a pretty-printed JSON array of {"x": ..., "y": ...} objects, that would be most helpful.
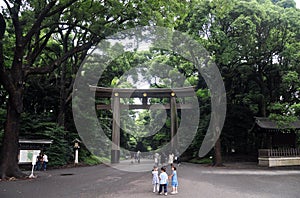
[
  {"x": 201, "y": 161},
  {"x": 93, "y": 160}
]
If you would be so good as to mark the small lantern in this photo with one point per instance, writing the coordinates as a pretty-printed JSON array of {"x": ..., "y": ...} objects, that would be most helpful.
[
  {"x": 76, "y": 143},
  {"x": 145, "y": 94},
  {"x": 76, "y": 147},
  {"x": 172, "y": 94}
]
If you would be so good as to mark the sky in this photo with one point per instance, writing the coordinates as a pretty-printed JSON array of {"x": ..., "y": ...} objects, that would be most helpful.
[{"x": 297, "y": 3}]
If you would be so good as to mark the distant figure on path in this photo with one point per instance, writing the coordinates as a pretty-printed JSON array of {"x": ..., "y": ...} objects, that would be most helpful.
[
  {"x": 177, "y": 158},
  {"x": 171, "y": 158},
  {"x": 138, "y": 156},
  {"x": 162, "y": 158},
  {"x": 45, "y": 161},
  {"x": 156, "y": 159},
  {"x": 132, "y": 156}
]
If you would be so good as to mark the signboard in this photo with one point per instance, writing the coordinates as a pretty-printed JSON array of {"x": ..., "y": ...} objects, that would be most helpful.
[{"x": 27, "y": 155}]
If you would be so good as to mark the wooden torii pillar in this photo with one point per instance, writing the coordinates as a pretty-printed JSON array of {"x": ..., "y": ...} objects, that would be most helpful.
[
  {"x": 174, "y": 121},
  {"x": 116, "y": 93},
  {"x": 115, "y": 150}
]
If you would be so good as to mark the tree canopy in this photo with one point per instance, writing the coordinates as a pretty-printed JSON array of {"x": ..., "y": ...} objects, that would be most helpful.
[{"x": 254, "y": 43}]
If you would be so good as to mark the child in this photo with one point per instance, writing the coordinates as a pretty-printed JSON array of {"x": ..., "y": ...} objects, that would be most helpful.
[
  {"x": 163, "y": 181},
  {"x": 155, "y": 179},
  {"x": 174, "y": 180}
]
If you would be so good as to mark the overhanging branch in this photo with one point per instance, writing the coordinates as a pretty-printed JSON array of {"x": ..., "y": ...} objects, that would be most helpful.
[{"x": 49, "y": 68}]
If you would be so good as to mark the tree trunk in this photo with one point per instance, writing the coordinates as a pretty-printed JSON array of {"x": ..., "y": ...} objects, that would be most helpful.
[
  {"x": 62, "y": 97},
  {"x": 218, "y": 153},
  {"x": 61, "y": 113},
  {"x": 10, "y": 148}
]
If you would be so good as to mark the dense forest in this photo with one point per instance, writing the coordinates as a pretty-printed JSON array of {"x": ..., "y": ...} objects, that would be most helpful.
[{"x": 254, "y": 43}]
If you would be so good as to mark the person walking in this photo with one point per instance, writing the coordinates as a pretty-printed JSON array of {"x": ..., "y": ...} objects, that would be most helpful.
[
  {"x": 171, "y": 158},
  {"x": 156, "y": 159},
  {"x": 177, "y": 158},
  {"x": 155, "y": 179},
  {"x": 162, "y": 158},
  {"x": 163, "y": 181},
  {"x": 138, "y": 156}
]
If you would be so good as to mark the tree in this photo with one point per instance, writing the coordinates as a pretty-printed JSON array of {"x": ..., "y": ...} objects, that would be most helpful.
[
  {"x": 50, "y": 36},
  {"x": 249, "y": 41},
  {"x": 26, "y": 60}
]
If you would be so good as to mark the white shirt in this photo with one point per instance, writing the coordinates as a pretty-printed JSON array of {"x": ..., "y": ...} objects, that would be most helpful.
[
  {"x": 155, "y": 179},
  {"x": 163, "y": 178},
  {"x": 45, "y": 158}
]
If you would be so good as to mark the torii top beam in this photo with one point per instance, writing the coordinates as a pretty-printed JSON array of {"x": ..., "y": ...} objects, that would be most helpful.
[{"x": 104, "y": 92}]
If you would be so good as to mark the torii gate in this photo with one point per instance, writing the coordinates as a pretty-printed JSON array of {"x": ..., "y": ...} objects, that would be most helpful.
[{"x": 117, "y": 93}]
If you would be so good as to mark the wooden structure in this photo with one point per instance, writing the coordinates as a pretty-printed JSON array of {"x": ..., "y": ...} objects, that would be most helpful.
[
  {"x": 28, "y": 148},
  {"x": 117, "y": 93},
  {"x": 278, "y": 147}
]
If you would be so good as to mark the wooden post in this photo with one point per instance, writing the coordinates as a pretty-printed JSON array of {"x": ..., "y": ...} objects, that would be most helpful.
[
  {"x": 174, "y": 124},
  {"x": 115, "y": 150},
  {"x": 218, "y": 153}
]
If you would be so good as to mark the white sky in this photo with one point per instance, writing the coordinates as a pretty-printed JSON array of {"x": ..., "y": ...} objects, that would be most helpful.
[{"x": 297, "y": 3}]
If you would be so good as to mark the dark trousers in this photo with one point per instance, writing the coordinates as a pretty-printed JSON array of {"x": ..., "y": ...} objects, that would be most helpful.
[
  {"x": 45, "y": 165},
  {"x": 161, "y": 186}
]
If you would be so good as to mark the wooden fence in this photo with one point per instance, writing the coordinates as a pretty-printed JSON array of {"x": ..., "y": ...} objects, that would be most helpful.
[{"x": 283, "y": 152}]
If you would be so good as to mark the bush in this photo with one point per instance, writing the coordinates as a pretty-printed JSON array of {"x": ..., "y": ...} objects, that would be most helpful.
[
  {"x": 59, "y": 152},
  {"x": 38, "y": 127},
  {"x": 92, "y": 160},
  {"x": 201, "y": 161}
]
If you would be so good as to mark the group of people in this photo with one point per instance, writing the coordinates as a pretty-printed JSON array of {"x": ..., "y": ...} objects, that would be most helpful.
[
  {"x": 160, "y": 181},
  {"x": 41, "y": 162},
  {"x": 136, "y": 156},
  {"x": 162, "y": 158}
]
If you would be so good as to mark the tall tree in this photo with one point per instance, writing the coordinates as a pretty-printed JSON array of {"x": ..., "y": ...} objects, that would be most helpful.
[
  {"x": 30, "y": 41},
  {"x": 248, "y": 41},
  {"x": 47, "y": 36}
]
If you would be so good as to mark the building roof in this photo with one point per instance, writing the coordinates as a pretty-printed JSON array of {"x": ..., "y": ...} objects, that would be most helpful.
[
  {"x": 267, "y": 123},
  {"x": 26, "y": 141}
]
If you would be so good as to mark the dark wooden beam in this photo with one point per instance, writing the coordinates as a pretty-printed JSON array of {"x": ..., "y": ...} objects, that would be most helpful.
[
  {"x": 141, "y": 106},
  {"x": 103, "y": 92}
]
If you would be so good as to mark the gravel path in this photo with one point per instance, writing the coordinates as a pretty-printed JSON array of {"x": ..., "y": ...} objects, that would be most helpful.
[{"x": 194, "y": 181}]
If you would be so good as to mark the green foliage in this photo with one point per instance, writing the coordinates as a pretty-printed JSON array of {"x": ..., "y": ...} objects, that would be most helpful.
[
  {"x": 201, "y": 161},
  {"x": 255, "y": 44},
  {"x": 283, "y": 113},
  {"x": 203, "y": 93},
  {"x": 286, "y": 3},
  {"x": 60, "y": 151},
  {"x": 37, "y": 127},
  {"x": 235, "y": 134},
  {"x": 92, "y": 160}
]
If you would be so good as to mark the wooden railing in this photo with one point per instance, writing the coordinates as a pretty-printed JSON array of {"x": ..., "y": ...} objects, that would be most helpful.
[{"x": 283, "y": 152}]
